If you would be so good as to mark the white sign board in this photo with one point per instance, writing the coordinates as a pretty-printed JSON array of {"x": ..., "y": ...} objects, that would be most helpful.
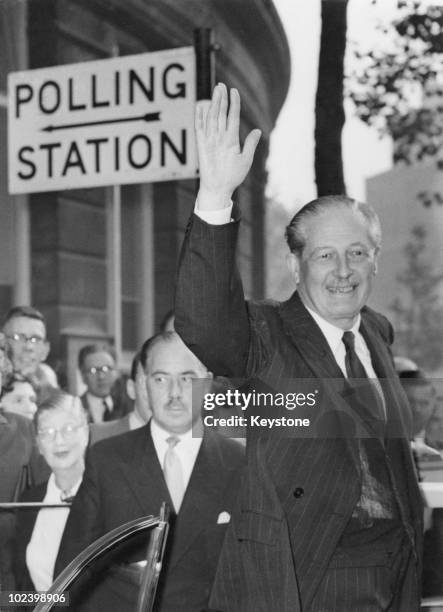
[{"x": 115, "y": 121}]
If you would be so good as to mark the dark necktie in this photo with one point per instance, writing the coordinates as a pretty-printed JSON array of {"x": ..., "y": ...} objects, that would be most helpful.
[
  {"x": 107, "y": 414},
  {"x": 66, "y": 497},
  {"x": 354, "y": 367},
  {"x": 366, "y": 399}
]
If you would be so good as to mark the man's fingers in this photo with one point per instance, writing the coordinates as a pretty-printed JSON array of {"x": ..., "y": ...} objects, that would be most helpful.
[
  {"x": 250, "y": 145},
  {"x": 214, "y": 111},
  {"x": 233, "y": 125},
  {"x": 201, "y": 112},
  {"x": 223, "y": 111}
]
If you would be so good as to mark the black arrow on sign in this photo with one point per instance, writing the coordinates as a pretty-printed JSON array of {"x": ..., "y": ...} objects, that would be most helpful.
[{"x": 68, "y": 126}]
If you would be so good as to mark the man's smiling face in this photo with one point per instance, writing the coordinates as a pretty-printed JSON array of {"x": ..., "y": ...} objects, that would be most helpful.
[{"x": 337, "y": 266}]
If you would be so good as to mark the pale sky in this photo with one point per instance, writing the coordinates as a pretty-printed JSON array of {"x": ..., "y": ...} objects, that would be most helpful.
[{"x": 291, "y": 161}]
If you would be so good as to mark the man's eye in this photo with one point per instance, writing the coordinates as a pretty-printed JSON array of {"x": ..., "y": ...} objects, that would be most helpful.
[
  {"x": 187, "y": 378},
  {"x": 326, "y": 256},
  {"x": 357, "y": 254},
  {"x": 159, "y": 379}
]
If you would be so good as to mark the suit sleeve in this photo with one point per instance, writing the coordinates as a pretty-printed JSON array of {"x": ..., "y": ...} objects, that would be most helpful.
[
  {"x": 84, "y": 524},
  {"x": 210, "y": 311}
]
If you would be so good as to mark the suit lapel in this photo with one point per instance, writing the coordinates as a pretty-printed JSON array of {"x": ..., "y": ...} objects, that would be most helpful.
[
  {"x": 397, "y": 447},
  {"x": 145, "y": 475},
  {"x": 381, "y": 360},
  {"x": 308, "y": 339},
  {"x": 201, "y": 501}
]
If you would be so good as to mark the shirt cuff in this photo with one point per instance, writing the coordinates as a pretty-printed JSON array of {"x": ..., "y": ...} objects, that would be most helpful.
[{"x": 215, "y": 217}]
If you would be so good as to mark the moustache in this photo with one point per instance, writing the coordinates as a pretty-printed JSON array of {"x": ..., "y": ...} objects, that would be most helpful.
[{"x": 175, "y": 404}]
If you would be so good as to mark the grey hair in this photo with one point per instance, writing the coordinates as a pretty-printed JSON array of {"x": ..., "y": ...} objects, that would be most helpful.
[{"x": 296, "y": 230}]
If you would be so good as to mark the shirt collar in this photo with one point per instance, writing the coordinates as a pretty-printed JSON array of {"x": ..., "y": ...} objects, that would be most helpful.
[
  {"x": 160, "y": 434},
  {"x": 99, "y": 400},
  {"x": 332, "y": 333},
  {"x": 55, "y": 493}
]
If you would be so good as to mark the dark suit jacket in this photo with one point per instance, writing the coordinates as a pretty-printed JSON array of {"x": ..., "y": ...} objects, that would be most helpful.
[
  {"x": 26, "y": 518},
  {"x": 19, "y": 462},
  {"x": 298, "y": 495},
  {"x": 121, "y": 406},
  {"x": 123, "y": 480}
]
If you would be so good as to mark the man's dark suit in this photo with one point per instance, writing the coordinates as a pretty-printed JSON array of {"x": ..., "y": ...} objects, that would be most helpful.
[
  {"x": 123, "y": 480},
  {"x": 298, "y": 495}
]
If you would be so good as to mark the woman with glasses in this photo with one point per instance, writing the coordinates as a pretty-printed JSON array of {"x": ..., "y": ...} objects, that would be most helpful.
[{"x": 62, "y": 437}]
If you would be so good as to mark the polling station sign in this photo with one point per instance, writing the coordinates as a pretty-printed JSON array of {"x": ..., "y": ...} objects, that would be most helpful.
[{"x": 115, "y": 121}]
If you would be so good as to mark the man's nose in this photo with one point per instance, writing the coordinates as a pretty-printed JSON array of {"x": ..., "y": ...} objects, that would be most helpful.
[
  {"x": 175, "y": 387},
  {"x": 343, "y": 270}
]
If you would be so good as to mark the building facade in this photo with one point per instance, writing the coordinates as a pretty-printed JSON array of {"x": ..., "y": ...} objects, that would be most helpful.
[
  {"x": 409, "y": 288},
  {"x": 100, "y": 263}
]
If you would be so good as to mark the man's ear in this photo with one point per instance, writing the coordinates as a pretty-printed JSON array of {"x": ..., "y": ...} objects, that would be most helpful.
[
  {"x": 130, "y": 388},
  {"x": 376, "y": 254},
  {"x": 209, "y": 380},
  {"x": 293, "y": 264},
  {"x": 140, "y": 386}
]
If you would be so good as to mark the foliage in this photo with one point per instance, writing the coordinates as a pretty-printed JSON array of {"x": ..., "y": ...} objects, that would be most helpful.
[
  {"x": 419, "y": 311},
  {"x": 398, "y": 87}
]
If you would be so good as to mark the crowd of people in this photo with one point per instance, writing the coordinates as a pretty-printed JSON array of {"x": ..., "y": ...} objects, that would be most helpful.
[
  {"x": 305, "y": 523},
  {"x": 46, "y": 434}
]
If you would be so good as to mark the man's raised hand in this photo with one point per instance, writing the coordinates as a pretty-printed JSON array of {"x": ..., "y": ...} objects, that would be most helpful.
[{"x": 223, "y": 164}]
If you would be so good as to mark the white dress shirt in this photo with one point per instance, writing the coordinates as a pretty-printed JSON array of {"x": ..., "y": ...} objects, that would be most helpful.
[
  {"x": 43, "y": 546},
  {"x": 214, "y": 217},
  {"x": 334, "y": 337},
  {"x": 186, "y": 450}
]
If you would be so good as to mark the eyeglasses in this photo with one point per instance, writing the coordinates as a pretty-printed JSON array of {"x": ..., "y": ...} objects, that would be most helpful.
[
  {"x": 20, "y": 338},
  {"x": 99, "y": 370},
  {"x": 68, "y": 432}
]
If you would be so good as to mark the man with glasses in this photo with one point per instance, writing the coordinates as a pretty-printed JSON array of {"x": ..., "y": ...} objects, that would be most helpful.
[
  {"x": 174, "y": 459},
  {"x": 97, "y": 365},
  {"x": 139, "y": 416},
  {"x": 332, "y": 521},
  {"x": 25, "y": 331}
]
